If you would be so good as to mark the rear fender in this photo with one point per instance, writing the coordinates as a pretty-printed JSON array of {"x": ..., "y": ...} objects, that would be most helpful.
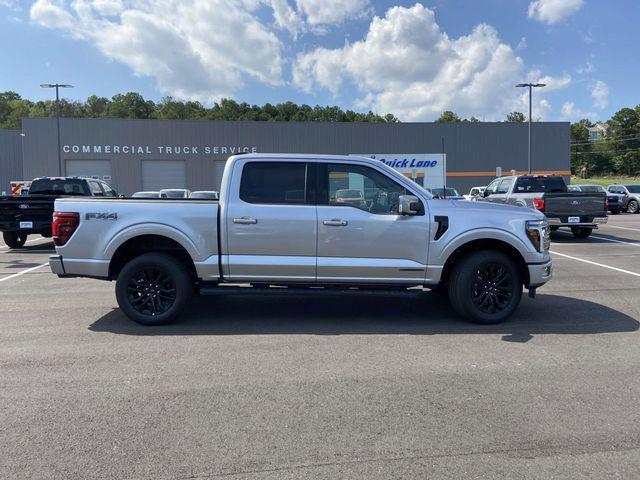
[{"x": 151, "y": 229}]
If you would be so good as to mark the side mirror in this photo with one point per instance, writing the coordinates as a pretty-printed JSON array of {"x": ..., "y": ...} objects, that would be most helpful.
[
  {"x": 408, "y": 205},
  {"x": 486, "y": 193}
]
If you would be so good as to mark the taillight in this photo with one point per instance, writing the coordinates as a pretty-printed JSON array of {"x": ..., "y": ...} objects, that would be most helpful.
[
  {"x": 539, "y": 203},
  {"x": 64, "y": 224}
]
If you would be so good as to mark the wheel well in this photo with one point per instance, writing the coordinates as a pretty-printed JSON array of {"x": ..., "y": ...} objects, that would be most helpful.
[
  {"x": 142, "y": 244},
  {"x": 485, "y": 244}
]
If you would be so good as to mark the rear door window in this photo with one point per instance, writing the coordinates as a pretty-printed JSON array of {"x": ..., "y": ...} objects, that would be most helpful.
[
  {"x": 274, "y": 183},
  {"x": 540, "y": 185}
]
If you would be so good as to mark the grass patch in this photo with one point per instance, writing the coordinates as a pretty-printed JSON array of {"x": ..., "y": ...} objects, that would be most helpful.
[{"x": 604, "y": 181}]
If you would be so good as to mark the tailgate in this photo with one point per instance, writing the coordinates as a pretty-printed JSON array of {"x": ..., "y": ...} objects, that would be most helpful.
[
  {"x": 574, "y": 204},
  {"x": 37, "y": 209}
]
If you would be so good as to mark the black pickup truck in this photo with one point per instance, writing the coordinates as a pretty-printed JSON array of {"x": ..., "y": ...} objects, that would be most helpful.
[{"x": 24, "y": 215}]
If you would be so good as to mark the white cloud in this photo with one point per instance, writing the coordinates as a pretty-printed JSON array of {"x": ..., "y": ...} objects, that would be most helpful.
[
  {"x": 522, "y": 44},
  {"x": 552, "y": 11},
  {"x": 408, "y": 66},
  {"x": 202, "y": 51},
  {"x": 586, "y": 68},
  {"x": 600, "y": 94},
  {"x": 324, "y": 12},
  {"x": 286, "y": 17},
  {"x": 570, "y": 112},
  {"x": 551, "y": 83}
]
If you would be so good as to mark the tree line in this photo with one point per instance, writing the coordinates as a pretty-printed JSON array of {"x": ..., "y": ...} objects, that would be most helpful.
[{"x": 133, "y": 105}]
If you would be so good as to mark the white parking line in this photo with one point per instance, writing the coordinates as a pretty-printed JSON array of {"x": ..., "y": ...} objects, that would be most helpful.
[
  {"x": 23, "y": 272},
  {"x": 597, "y": 264},
  {"x": 625, "y": 228},
  {"x": 635, "y": 244}
]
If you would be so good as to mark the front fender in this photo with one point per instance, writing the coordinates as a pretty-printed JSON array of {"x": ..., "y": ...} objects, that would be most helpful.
[
  {"x": 527, "y": 251},
  {"x": 151, "y": 228}
]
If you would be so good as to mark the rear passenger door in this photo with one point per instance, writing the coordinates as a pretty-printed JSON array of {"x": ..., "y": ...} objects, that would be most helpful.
[{"x": 271, "y": 228}]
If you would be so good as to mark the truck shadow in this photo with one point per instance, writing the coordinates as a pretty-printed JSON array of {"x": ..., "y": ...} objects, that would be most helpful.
[
  {"x": 426, "y": 314},
  {"x": 567, "y": 237}
]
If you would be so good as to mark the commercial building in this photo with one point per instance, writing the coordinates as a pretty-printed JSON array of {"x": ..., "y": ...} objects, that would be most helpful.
[{"x": 136, "y": 155}]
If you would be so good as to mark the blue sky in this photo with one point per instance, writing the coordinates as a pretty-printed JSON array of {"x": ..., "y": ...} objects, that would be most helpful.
[{"x": 411, "y": 59}]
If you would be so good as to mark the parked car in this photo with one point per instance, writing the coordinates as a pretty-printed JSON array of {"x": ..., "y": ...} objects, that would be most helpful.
[
  {"x": 205, "y": 195},
  {"x": 174, "y": 193},
  {"x": 160, "y": 252},
  {"x": 581, "y": 212},
  {"x": 24, "y": 215},
  {"x": 147, "y": 194},
  {"x": 447, "y": 193},
  {"x": 613, "y": 201},
  {"x": 474, "y": 193},
  {"x": 629, "y": 196}
]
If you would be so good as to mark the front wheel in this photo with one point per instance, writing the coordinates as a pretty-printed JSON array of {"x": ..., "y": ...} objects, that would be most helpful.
[
  {"x": 632, "y": 207},
  {"x": 14, "y": 239},
  {"x": 581, "y": 232},
  {"x": 485, "y": 287},
  {"x": 153, "y": 289}
]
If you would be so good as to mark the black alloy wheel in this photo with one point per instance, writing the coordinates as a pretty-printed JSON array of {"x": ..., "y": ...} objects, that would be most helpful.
[
  {"x": 154, "y": 288},
  {"x": 492, "y": 288},
  {"x": 151, "y": 291}
]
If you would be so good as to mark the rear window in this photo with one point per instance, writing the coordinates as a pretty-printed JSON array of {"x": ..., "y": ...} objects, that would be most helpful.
[
  {"x": 633, "y": 188},
  {"x": 274, "y": 182},
  {"x": 540, "y": 185},
  {"x": 47, "y": 186}
]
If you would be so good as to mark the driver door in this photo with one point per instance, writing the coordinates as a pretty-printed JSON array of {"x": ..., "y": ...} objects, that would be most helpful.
[{"x": 362, "y": 238}]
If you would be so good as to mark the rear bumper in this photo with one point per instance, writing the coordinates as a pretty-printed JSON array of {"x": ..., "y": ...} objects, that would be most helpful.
[
  {"x": 540, "y": 273},
  {"x": 592, "y": 222},
  {"x": 55, "y": 263},
  {"x": 39, "y": 226},
  {"x": 73, "y": 267}
]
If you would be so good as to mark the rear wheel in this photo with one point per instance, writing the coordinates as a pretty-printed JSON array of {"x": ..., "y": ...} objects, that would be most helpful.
[
  {"x": 581, "y": 232},
  {"x": 485, "y": 287},
  {"x": 632, "y": 206},
  {"x": 14, "y": 239},
  {"x": 153, "y": 289}
]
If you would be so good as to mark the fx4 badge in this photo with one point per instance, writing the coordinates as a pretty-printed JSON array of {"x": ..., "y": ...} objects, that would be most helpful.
[{"x": 101, "y": 216}]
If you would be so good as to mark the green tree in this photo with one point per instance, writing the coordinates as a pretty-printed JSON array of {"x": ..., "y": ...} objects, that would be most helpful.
[
  {"x": 130, "y": 105},
  {"x": 516, "y": 117},
  {"x": 448, "y": 117},
  {"x": 623, "y": 140}
]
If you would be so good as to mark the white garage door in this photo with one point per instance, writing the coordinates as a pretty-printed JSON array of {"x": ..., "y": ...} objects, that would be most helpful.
[
  {"x": 89, "y": 168},
  {"x": 159, "y": 174}
]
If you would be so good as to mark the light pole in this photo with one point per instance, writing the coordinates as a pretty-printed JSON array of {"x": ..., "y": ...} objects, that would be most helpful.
[
  {"x": 531, "y": 87},
  {"x": 57, "y": 86}
]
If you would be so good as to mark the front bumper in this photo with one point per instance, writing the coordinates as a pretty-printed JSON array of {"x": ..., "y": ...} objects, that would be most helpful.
[
  {"x": 540, "y": 273},
  {"x": 55, "y": 263}
]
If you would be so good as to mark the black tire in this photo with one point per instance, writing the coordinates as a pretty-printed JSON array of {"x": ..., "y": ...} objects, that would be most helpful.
[
  {"x": 154, "y": 289},
  {"x": 14, "y": 239},
  {"x": 581, "y": 232},
  {"x": 485, "y": 275},
  {"x": 615, "y": 212},
  {"x": 632, "y": 206}
]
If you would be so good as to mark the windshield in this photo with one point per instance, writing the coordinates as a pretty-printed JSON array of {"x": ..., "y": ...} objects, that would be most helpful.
[
  {"x": 48, "y": 186},
  {"x": 592, "y": 188},
  {"x": 451, "y": 192},
  {"x": 540, "y": 185},
  {"x": 633, "y": 188},
  {"x": 213, "y": 195},
  {"x": 173, "y": 193}
]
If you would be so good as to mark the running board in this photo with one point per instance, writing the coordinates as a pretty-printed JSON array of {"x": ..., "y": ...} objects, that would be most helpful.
[{"x": 310, "y": 291}]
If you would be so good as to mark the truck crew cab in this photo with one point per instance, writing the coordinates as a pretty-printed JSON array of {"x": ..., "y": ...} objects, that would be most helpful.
[{"x": 281, "y": 222}]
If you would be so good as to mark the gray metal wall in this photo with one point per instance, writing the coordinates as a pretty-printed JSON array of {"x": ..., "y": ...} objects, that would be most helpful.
[
  {"x": 474, "y": 150},
  {"x": 10, "y": 159}
]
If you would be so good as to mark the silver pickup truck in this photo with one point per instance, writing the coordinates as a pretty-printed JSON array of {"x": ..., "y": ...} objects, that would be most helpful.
[
  {"x": 582, "y": 212},
  {"x": 279, "y": 223}
]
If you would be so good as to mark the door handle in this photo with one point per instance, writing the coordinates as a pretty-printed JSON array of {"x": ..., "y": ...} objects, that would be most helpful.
[
  {"x": 245, "y": 220},
  {"x": 335, "y": 222}
]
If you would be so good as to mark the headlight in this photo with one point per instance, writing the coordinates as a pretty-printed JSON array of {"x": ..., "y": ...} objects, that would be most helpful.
[{"x": 539, "y": 234}]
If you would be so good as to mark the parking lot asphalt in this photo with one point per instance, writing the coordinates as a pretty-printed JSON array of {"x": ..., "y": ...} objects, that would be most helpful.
[{"x": 257, "y": 387}]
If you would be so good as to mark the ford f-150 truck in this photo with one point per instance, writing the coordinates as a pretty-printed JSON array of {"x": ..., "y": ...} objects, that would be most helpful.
[
  {"x": 280, "y": 222},
  {"x": 581, "y": 212},
  {"x": 24, "y": 215}
]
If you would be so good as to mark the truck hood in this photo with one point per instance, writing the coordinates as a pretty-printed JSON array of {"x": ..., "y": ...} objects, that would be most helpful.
[{"x": 497, "y": 209}]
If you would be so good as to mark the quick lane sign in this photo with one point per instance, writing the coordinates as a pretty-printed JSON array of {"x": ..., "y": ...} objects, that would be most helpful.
[{"x": 426, "y": 169}]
